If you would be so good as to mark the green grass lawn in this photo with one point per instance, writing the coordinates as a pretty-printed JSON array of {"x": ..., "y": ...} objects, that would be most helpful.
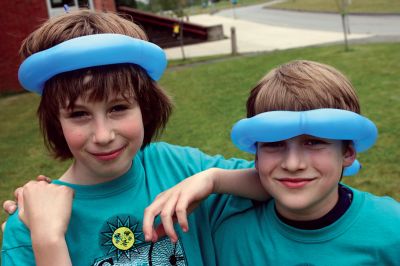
[
  {"x": 356, "y": 6},
  {"x": 209, "y": 98}
]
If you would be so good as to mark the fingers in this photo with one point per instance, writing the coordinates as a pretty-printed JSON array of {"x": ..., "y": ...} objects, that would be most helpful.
[
  {"x": 43, "y": 178},
  {"x": 181, "y": 214},
  {"x": 9, "y": 206},
  {"x": 171, "y": 206},
  {"x": 167, "y": 217},
  {"x": 20, "y": 201},
  {"x": 19, "y": 197},
  {"x": 18, "y": 193},
  {"x": 157, "y": 234},
  {"x": 149, "y": 215},
  {"x": 163, "y": 206}
]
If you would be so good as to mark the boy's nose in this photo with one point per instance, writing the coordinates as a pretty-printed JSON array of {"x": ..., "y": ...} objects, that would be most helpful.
[
  {"x": 294, "y": 160},
  {"x": 103, "y": 132}
]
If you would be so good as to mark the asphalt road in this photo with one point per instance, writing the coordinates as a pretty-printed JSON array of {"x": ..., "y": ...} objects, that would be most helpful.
[{"x": 381, "y": 25}]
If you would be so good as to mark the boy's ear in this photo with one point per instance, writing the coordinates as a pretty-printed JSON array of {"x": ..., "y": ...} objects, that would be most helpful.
[{"x": 349, "y": 155}]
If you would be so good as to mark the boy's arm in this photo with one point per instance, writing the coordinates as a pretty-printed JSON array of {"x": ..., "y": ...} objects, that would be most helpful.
[
  {"x": 176, "y": 202},
  {"x": 242, "y": 182},
  {"x": 52, "y": 251},
  {"x": 46, "y": 210}
]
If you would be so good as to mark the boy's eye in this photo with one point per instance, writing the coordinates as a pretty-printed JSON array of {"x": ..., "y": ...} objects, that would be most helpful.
[
  {"x": 272, "y": 145},
  {"x": 315, "y": 142},
  {"x": 78, "y": 114},
  {"x": 119, "y": 108}
]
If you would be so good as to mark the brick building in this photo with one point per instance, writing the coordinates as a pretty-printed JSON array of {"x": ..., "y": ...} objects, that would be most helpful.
[{"x": 18, "y": 18}]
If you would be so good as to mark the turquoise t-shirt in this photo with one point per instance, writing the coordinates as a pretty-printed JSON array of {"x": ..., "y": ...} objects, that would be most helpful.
[
  {"x": 106, "y": 222},
  {"x": 367, "y": 234}
]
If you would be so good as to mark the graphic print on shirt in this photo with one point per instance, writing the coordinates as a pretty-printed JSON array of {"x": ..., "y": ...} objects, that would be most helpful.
[{"x": 124, "y": 244}]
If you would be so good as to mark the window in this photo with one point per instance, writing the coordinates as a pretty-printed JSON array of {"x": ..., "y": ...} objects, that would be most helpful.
[
  {"x": 83, "y": 4},
  {"x": 61, "y": 3}
]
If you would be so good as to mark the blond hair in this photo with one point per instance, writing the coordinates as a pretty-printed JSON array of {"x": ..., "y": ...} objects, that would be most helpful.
[{"x": 302, "y": 85}]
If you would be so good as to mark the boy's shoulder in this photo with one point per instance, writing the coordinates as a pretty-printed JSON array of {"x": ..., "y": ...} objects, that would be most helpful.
[
  {"x": 164, "y": 145},
  {"x": 195, "y": 154},
  {"x": 16, "y": 234},
  {"x": 17, "y": 245},
  {"x": 172, "y": 152},
  {"x": 380, "y": 208},
  {"x": 167, "y": 150},
  {"x": 167, "y": 147},
  {"x": 189, "y": 157},
  {"x": 379, "y": 202},
  {"x": 162, "y": 156}
]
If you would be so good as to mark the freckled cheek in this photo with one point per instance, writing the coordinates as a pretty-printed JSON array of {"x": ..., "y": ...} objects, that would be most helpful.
[
  {"x": 133, "y": 130},
  {"x": 266, "y": 166},
  {"x": 325, "y": 162},
  {"x": 75, "y": 139},
  {"x": 266, "y": 172}
]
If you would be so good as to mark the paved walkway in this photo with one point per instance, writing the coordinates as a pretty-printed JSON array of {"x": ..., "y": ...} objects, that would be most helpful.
[{"x": 256, "y": 37}]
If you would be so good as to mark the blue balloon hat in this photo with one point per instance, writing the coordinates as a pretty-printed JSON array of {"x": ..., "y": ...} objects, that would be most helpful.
[
  {"x": 89, "y": 51},
  {"x": 323, "y": 123}
]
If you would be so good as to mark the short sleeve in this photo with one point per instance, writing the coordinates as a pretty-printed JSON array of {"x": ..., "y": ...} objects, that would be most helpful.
[
  {"x": 17, "y": 245},
  {"x": 222, "y": 206}
]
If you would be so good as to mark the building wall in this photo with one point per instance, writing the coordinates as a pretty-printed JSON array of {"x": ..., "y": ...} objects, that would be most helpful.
[
  {"x": 104, "y": 5},
  {"x": 18, "y": 18}
]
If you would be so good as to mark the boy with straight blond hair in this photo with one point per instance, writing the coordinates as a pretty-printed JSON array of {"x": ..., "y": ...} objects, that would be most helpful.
[{"x": 305, "y": 129}]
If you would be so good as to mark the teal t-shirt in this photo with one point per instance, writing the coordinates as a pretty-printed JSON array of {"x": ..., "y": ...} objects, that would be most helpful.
[
  {"x": 106, "y": 222},
  {"x": 367, "y": 234}
]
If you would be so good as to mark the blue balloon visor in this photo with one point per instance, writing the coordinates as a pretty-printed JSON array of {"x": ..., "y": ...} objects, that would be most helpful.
[
  {"x": 323, "y": 123},
  {"x": 89, "y": 51}
]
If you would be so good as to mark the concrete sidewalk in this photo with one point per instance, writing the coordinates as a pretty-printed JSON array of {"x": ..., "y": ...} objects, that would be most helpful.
[{"x": 255, "y": 37}]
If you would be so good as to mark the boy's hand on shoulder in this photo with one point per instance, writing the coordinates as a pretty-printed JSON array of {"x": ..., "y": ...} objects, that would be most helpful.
[
  {"x": 175, "y": 204},
  {"x": 45, "y": 208},
  {"x": 10, "y": 206}
]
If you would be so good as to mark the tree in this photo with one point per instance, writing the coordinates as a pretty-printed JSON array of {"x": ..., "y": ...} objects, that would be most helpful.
[{"x": 343, "y": 7}]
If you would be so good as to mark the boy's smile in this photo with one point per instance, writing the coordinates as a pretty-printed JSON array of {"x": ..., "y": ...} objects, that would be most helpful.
[
  {"x": 103, "y": 137},
  {"x": 302, "y": 174},
  {"x": 107, "y": 156},
  {"x": 295, "y": 182}
]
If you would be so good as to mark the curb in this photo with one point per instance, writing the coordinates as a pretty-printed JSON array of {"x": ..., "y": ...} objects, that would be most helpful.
[{"x": 332, "y": 12}]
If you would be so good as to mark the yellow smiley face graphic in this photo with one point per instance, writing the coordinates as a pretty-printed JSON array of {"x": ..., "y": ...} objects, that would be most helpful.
[{"x": 123, "y": 238}]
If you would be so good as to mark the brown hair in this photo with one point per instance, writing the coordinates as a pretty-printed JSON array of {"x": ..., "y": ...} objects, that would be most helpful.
[
  {"x": 130, "y": 81},
  {"x": 302, "y": 85}
]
